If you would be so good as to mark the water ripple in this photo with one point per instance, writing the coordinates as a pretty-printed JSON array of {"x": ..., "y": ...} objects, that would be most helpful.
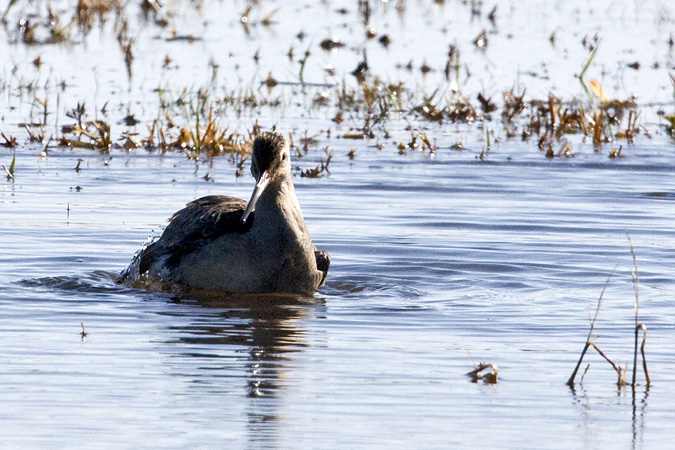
[{"x": 98, "y": 281}]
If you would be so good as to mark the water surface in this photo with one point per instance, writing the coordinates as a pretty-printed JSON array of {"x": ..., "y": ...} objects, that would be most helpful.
[
  {"x": 433, "y": 254},
  {"x": 430, "y": 259}
]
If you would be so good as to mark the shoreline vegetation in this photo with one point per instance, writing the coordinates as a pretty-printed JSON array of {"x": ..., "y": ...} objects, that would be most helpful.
[{"x": 362, "y": 105}]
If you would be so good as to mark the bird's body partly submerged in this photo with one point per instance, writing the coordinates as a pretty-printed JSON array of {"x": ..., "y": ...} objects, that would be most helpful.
[{"x": 219, "y": 243}]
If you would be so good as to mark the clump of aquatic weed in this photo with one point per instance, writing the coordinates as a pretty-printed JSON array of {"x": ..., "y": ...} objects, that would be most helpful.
[
  {"x": 190, "y": 125},
  {"x": 201, "y": 133},
  {"x": 620, "y": 371},
  {"x": 456, "y": 108},
  {"x": 10, "y": 142},
  {"x": 94, "y": 134},
  {"x": 373, "y": 102},
  {"x": 196, "y": 132},
  {"x": 670, "y": 124},
  {"x": 550, "y": 120},
  {"x": 320, "y": 169},
  {"x": 487, "y": 372}
]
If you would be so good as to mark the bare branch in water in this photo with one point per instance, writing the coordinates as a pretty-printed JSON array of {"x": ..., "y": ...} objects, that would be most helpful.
[{"x": 570, "y": 381}]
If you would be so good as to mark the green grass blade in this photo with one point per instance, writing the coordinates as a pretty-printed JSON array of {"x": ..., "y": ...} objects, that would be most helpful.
[{"x": 588, "y": 62}]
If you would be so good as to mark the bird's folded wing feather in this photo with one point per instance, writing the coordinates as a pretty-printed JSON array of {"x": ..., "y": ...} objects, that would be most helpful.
[{"x": 201, "y": 221}]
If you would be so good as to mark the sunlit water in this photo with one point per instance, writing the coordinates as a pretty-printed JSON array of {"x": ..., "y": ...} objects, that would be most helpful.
[{"x": 431, "y": 256}]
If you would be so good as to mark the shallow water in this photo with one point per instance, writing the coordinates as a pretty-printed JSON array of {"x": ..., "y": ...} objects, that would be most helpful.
[
  {"x": 430, "y": 259},
  {"x": 431, "y": 255}
]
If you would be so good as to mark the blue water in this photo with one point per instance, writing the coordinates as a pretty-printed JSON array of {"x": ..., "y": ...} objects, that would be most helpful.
[
  {"x": 435, "y": 258},
  {"x": 429, "y": 260}
]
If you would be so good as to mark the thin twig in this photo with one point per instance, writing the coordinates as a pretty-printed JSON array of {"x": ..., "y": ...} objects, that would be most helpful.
[
  {"x": 619, "y": 371},
  {"x": 570, "y": 381},
  {"x": 583, "y": 375},
  {"x": 636, "y": 279},
  {"x": 642, "y": 350},
  {"x": 10, "y": 175}
]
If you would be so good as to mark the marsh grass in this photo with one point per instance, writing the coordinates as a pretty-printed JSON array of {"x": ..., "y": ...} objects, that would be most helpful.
[
  {"x": 43, "y": 25},
  {"x": 35, "y": 136},
  {"x": 620, "y": 371},
  {"x": 638, "y": 326},
  {"x": 319, "y": 170},
  {"x": 190, "y": 124},
  {"x": 362, "y": 100},
  {"x": 9, "y": 171}
]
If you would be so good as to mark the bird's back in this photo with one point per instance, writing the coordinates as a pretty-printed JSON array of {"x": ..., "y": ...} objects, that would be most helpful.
[{"x": 199, "y": 223}]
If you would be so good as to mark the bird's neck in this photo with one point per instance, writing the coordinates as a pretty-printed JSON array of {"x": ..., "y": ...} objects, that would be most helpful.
[{"x": 279, "y": 202}]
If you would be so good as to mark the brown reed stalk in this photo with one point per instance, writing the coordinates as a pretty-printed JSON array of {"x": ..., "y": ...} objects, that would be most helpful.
[
  {"x": 570, "y": 381},
  {"x": 621, "y": 373},
  {"x": 638, "y": 325},
  {"x": 642, "y": 351}
]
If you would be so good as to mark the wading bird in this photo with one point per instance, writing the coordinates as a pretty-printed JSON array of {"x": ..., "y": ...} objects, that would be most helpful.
[{"x": 226, "y": 244}]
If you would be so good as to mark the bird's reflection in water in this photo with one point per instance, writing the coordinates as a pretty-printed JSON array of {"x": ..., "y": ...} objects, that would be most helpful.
[{"x": 250, "y": 336}]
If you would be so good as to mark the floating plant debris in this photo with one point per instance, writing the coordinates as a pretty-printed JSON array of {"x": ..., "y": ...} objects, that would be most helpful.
[
  {"x": 331, "y": 44},
  {"x": 486, "y": 372}
]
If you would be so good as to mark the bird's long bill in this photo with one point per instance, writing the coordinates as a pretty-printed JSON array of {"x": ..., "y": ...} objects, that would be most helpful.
[{"x": 257, "y": 192}]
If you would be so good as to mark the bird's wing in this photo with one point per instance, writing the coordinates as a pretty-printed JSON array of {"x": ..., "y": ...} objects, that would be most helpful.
[{"x": 201, "y": 221}]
